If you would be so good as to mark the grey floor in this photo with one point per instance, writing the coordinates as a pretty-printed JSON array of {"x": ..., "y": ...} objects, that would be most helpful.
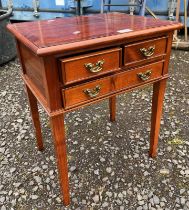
[{"x": 109, "y": 166}]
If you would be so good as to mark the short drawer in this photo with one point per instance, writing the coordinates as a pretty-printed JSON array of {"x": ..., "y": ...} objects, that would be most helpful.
[
  {"x": 87, "y": 92},
  {"x": 87, "y": 66},
  {"x": 138, "y": 76},
  {"x": 141, "y": 52}
]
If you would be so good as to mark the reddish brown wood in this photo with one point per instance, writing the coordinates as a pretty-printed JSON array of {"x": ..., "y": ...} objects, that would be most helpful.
[
  {"x": 73, "y": 69},
  {"x": 33, "y": 68},
  {"x": 75, "y": 95},
  {"x": 58, "y": 130},
  {"x": 77, "y": 40},
  {"x": 20, "y": 57},
  {"x": 98, "y": 99},
  {"x": 76, "y": 29},
  {"x": 54, "y": 36},
  {"x": 157, "y": 105},
  {"x": 36, "y": 92},
  {"x": 130, "y": 78},
  {"x": 134, "y": 57},
  {"x": 112, "y": 107},
  {"x": 35, "y": 118},
  {"x": 52, "y": 85},
  {"x": 168, "y": 52}
]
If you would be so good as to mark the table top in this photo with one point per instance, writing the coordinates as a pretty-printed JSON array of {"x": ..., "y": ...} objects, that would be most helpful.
[{"x": 65, "y": 31}]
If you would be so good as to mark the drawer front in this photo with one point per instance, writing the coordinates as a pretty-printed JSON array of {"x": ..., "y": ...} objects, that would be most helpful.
[
  {"x": 141, "y": 52},
  {"x": 138, "y": 76},
  {"x": 87, "y": 92},
  {"x": 91, "y": 65}
]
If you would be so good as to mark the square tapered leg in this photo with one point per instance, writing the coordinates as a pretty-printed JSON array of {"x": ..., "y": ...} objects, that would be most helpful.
[
  {"x": 112, "y": 107},
  {"x": 58, "y": 130},
  {"x": 157, "y": 106}
]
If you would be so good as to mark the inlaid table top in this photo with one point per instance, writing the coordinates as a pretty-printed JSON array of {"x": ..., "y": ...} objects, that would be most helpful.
[{"x": 66, "y": 31}]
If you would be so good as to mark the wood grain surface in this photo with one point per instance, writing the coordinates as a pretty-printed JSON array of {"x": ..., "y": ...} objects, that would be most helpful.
[
  {"x": 73, "y": 68},
  {"x": 43, "y": 37}
]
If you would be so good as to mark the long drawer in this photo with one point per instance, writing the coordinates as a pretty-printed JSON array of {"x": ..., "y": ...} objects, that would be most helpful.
[
  {"x": 88, "y": 66},
  {"x": 144, "y": 51}
]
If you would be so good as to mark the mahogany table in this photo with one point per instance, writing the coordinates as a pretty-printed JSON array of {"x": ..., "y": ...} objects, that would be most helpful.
[{"x": 72, "y": 62}]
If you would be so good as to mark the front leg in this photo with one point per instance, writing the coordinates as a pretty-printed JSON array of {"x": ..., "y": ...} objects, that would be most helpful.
[
  {"x": 58, "y": 130},
  {"x": 112, "y": 107},
  {"x": 157, "y": 105}
]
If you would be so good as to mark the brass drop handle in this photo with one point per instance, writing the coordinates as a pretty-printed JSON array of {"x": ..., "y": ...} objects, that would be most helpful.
[
  {"x": 144, "y": 76},
  {"x": 148, "y": 52},
  {"x": 93, "y": 93},
  {"x": 95, "y": 68}
]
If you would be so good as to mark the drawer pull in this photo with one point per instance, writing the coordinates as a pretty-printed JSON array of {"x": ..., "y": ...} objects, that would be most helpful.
[
  {"x": 145, "y": 76},
  {"x": 92, "y": 93},
  {"x": 148, "y": 52},
  {"x": 95, "y": 68}
]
